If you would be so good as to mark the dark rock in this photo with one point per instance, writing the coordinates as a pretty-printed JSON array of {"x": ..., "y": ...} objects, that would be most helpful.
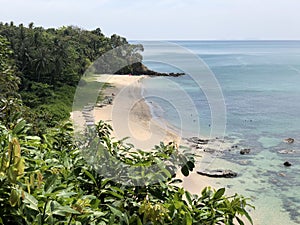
[
  {"x": 197, "y": 140},
  {"x": 209, "y": 150},
  {"x": 218, "y": 173},
  {"x": 289, "y": 140},
  {"x": 287, "y": 164},
  {"x": 245, "y": 151},
  {"x": 140, "y": 69}
]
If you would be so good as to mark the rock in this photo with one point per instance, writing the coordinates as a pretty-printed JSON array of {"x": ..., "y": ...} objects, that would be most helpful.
[
  {"x": 99, "y": 105},
  {"x": 90, "y": 123},
  {"x": 245, "y": 151},
  {"x": 197, "y": 140},
  {"x": 282, "y": 174},
  {"x": 199, "y": 147},
  {"x": 286, "y": 151},
  {"x": 287, "y": 164},
  {"x": 289, "y": 140},
  {"x": 138, "y": 69},
  {"x": 274, "y": 181},
  {"x": 243, "y": 162},
  {"x": 209, "y": 150},
  {"x": 88, "y": 108},
  {"x": 218, "y": 173}
]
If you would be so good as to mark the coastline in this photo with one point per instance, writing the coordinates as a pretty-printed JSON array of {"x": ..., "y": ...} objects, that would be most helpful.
[{"x": 130, "y": 115}]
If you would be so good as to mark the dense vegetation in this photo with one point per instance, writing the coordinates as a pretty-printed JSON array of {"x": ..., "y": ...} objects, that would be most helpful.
[
  {"x": 50, "y": 63},
  {"x": 44, "y": 178}
]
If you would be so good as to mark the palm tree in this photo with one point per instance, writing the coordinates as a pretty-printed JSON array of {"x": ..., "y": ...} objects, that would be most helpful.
[{"x": 41, "y": 63}]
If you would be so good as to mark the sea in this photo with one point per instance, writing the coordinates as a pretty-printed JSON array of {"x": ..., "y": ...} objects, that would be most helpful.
[{"x": 243, "y": 90}]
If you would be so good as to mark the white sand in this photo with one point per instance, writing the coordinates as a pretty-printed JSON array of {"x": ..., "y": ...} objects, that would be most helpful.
[{"x": 130, "y": 115}]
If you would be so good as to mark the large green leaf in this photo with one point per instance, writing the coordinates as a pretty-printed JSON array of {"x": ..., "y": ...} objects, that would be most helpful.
[
  {"x": 64, "y": 211},
  {"x": 14, "y": 198},
  {"x": 66, "y": 194},
  {"x": 189, "y": 198},
  {"x": 19, "y": 127},
  {"x": 50, "y": 182},
  {"x": 185, "y": 170},
  {"x": 116, "y": 212},
  {"x": 90, "y": 176},
  {"x": 190, "y": 165},
  {"x": 219, "y": 193},
  {"x": 189, "y": 219},
  {"x": 30, "y": 201}
]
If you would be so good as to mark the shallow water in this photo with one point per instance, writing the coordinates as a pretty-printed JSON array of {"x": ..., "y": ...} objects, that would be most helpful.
[{"x": 260, "y": 82}]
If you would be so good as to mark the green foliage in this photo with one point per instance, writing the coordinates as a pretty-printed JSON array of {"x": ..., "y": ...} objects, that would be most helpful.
[
  {"x": 10, "y": 103},
  {"x": 129, "y": 165},
  {"x": 8, "y": 81},
  {"x": 58, "y": 56},
  {"x": 46, "y": 179},
  {"x": 48, "y": 107},
  {"x": 50, "y": 63}
]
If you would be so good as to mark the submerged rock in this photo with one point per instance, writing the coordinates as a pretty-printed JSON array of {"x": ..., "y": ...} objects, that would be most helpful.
[
  {"x": 209, "y": 150},
  {"x": 289, "y": 140},
  {"x": 245, "y": 151},
  {"x": 286, "y": 151},
  {"x": 197, "y": 140},
  {"x": 244, "y": 162},
  {"x": 287, "y": 164},
  {"x": 218, "y": 173}
]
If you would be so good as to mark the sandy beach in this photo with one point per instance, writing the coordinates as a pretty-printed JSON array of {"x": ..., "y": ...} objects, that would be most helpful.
[{"x": 130, "y": 115}]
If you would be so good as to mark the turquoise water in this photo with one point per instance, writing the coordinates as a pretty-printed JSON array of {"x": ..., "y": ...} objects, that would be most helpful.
[{"x": 260, "y": 81}]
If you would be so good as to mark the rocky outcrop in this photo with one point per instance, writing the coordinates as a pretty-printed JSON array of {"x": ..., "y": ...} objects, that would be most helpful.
[
  {"x": 289, "y": 140},
  {"x": 140, "y": 69},
  {"x": 218, "y": 173}
]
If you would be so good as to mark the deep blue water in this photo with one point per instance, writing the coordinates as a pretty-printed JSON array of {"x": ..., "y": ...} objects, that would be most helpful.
[{"x": 260, "y": 82}]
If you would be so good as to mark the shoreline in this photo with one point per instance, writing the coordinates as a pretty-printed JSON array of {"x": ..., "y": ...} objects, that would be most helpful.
[{"x": 130, "y": 115}]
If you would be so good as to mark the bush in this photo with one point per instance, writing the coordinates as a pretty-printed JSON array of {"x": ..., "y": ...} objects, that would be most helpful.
[{"x": 47, "y": 181}]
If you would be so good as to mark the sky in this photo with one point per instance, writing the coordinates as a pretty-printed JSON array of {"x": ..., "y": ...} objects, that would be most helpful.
[{"x": 164, "y": 19}]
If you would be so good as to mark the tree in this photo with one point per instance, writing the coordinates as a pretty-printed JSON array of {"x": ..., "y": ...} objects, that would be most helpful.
[
  {"x": 49, "y": 182},
  {"x": 9, "y": 97},
  {"x": 8, "y": 81},
  {"x": 45, "y": 179}
]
